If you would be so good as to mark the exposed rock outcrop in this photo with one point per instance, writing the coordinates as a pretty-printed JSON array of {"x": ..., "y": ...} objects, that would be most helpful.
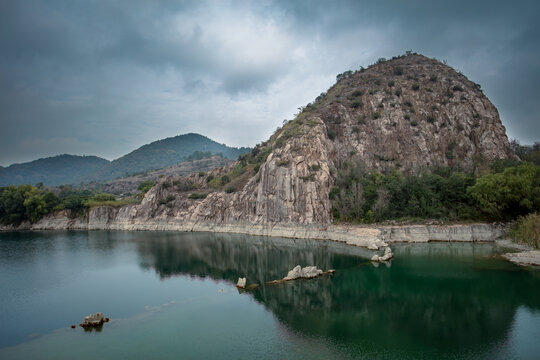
[
  {"x": 299, "y": 272},
  {"x": 94, "y": 320},
  {"x": 387, "y": 255},
  {"x": 524, "y": 258},
  {"x": 425, "y": 233},
  {"x": 307, "y": 272}
]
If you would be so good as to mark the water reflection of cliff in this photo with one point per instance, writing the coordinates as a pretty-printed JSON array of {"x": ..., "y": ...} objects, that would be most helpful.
[
  {"x": 456, "y": 297},
  {"x": 229, "y": 256}
]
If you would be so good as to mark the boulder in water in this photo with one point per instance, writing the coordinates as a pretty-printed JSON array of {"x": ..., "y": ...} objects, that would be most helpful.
[
  {"x": 241, "y": 283},
  {"x": 93, "y": 320},
  {"x": 387, "y": 255},
  {"x": 307, "y": 272}
]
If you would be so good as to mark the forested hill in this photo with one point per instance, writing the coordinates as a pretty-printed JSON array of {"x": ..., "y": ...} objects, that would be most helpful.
[
  {"x": 61, "y": 169},
  {"x": 166, "y": 152},
  {"x": 72, "y": 169}
]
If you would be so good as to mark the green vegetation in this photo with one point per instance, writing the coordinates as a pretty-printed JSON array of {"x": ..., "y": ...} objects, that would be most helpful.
[
  {"x": 145, "y": 186},
  {"x": 414, "y": 123},
  {"x": 197, "y": 196},
  {"x": 183, "y": 184},
  {"x": 283, "y": 163},
  {"x": 52, "y": 171},
  {"x": 507, "y": 195},
  {"x": 168, "y": 200},
  {"x": 446, "y": 194},
  {"x": 166, "y": 152},
  {"x": 331, "y": 134},
  {"x": 416, "y": 87},
  {"x": 357, "y": 93},
  {"x": 376, "y": 115},
  {"x": 356, "y": 104},
  {"x": 526, "y": 230},
  {"x": 29, "y": 203},
  {"x": 224, "y": 180},
  {"x": 198, "y": 155}
]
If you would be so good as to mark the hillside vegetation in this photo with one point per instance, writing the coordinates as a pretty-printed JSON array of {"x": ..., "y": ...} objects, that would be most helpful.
[
  {"x": 57, "y": 170},
  {"x": 162, "y": 153},
  {"x": 71, "y": 169}
]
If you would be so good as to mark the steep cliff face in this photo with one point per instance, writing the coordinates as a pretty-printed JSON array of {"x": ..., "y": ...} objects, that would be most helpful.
[{"x": 408, "y": 113}]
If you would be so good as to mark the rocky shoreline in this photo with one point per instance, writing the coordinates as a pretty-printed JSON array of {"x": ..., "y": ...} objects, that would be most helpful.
[{"x": 376, "y": 238}]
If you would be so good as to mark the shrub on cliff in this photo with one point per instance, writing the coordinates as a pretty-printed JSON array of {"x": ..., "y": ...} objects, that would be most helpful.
[{"x": 145, "y": 186}]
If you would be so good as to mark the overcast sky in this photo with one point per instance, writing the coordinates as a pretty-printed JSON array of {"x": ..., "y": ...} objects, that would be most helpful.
[{"x": 105, "y": 77}]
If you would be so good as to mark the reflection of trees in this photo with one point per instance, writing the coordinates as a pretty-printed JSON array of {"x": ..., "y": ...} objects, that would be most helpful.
[
  {"x": 448, "y": 295},
  {"x": 438, "y": 300}
]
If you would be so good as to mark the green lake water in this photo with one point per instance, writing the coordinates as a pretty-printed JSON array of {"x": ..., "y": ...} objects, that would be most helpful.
[{"x": 172, "y": 296}]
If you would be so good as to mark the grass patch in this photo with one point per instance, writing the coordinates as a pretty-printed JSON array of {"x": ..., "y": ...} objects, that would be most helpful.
[
  {"x": 526, "y": 230},
  {"x": 197, "y": 196}
]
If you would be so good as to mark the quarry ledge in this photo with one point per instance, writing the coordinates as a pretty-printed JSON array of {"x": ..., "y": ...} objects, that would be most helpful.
[{"x": 373, "y": 237}]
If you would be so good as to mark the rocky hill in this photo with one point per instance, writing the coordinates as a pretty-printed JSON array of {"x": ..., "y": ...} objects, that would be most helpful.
[{"x": 408, "y": 113}]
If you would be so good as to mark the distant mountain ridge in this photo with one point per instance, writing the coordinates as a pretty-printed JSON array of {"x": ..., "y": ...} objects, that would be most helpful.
[
  {"x": 56, "y": 170},
  {"x": 165, "y": 152},
  {"x": 73, "y": 169}
]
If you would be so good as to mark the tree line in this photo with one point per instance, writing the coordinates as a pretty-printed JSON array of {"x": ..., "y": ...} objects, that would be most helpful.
[{"x": 501, "y": 195}]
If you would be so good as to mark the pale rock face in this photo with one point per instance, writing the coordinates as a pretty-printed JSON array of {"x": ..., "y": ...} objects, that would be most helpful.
[
  {"x": 525, "y": 258},
  {"x": 387, "y": 255},
  {"x": 307, "y": 272},
  {"x": 241, "y": 283}
]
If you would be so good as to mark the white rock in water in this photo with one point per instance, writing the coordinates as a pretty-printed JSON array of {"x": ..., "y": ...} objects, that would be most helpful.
[
  {"x": 294, "y": 273},
  {"x": 299, "y": 272},
  {"x": 311, "y": 272},
  {"x": 241, "y": 283},
  {"x": 387, "y": 255}
]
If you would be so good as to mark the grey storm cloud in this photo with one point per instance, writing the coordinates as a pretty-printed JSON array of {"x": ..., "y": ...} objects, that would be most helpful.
[{"x": 104, "y": 77}]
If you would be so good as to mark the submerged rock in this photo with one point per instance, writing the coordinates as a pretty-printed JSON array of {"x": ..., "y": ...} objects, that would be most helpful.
[{"x": 387, "y": 255}]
